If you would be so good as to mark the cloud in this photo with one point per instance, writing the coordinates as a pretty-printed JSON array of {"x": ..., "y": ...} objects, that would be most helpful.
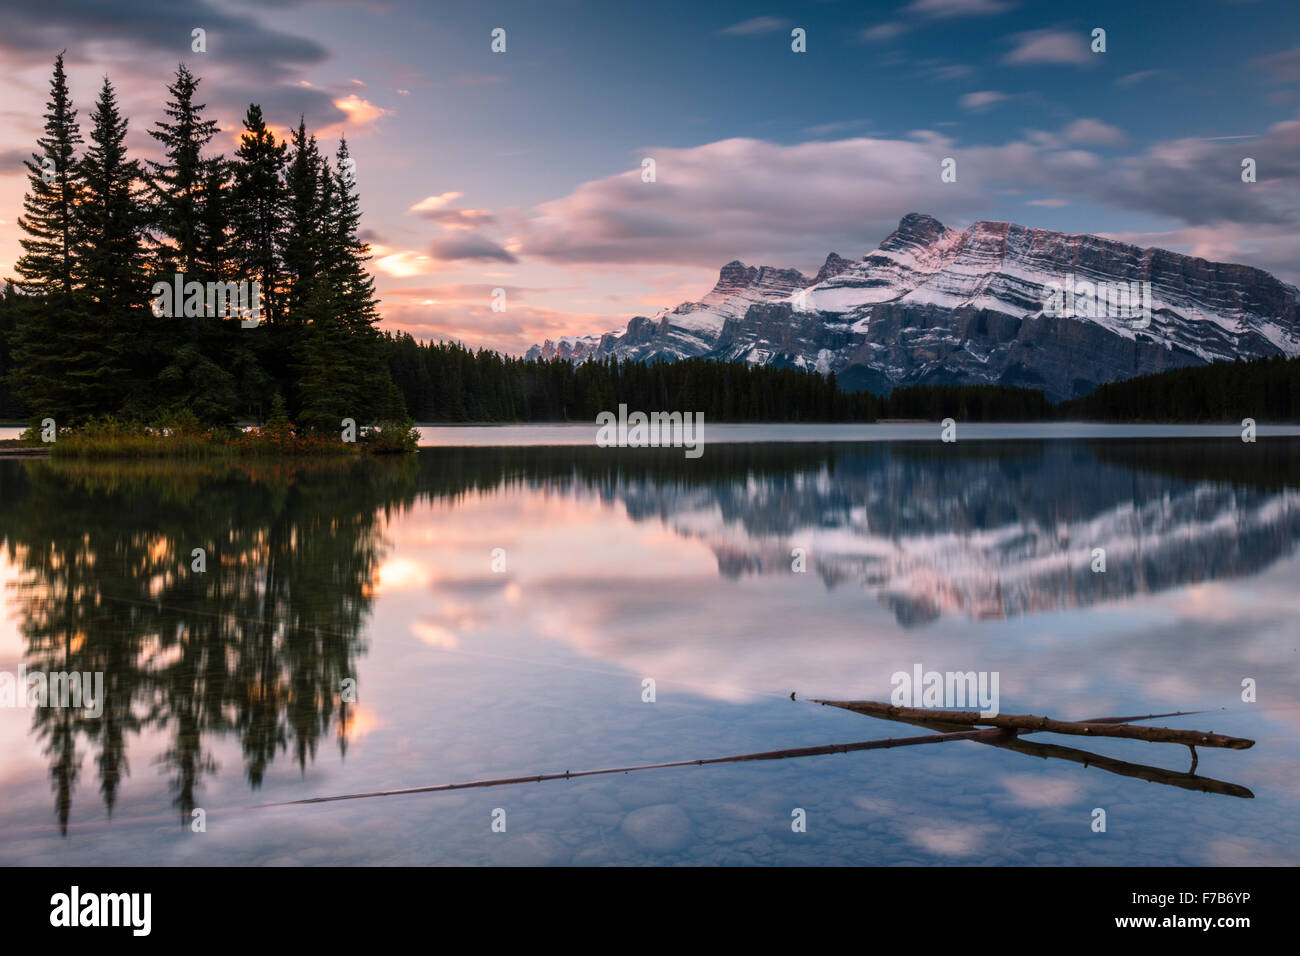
[
  {"x": 755, "y": 26},
  {"x": 1050, "y": 203},
  {"x": 458, "y": 292},
  {"x": 140, "y": 44},
  {"x": 1132, "y": 79},
  {"x": 438, "y": 209},
  {"x": 468, "y": 246},
  {"x": 12, "y": 161},
  {"x": 434, "y": 203},
  {"x": 402, "y": 265},
  {"x": 1094, "y": 131},
  {"x": 943, "y": 70},
  {"x": 943, "y": 9},
  {"x": 842, "y": 126},
  {"x": 457, "y": 247},
  {"x": 782, "y": 205},
  {"x": 883, "y": 31},
  {"x": 460, "y": 218},
  {"x": 920, "y": 10},
  {"x": 1049, "y": 46},
  {"x": 1283, "y": 67},
  {"x": 746, "y": 198},
  {"x": 29, "y": 33},
  {"x": 981, "y": 101},
  {"x": 360, "y": 112},
  {"x": 281, "y": 105}
]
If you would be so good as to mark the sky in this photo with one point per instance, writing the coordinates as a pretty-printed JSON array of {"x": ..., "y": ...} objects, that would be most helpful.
[{"x": 523, "y": 170}]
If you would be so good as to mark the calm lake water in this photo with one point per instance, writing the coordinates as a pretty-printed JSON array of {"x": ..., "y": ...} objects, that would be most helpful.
[{"x": 223, "y": 687}]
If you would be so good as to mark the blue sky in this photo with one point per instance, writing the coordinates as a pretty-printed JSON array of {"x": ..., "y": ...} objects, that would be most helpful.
[{"x": 521, "y": 170}]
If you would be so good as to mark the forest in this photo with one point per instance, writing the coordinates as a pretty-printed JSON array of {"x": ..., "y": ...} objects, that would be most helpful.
[
  {"x": 446, "y": 382},
  {"x": 81, "y": 339}
]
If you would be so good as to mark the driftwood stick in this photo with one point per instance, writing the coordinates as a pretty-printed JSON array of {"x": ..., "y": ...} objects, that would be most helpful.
[
  {"x": 1029, "y": 723},
  {"x": 885, "y": 744},
  {"x": 1129, "y": 720},
  {"x": 1011, "y": 740}
]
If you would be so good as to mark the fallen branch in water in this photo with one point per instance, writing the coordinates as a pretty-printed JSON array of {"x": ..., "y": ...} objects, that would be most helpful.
[
  {"x": 1173, "y": 778},
  {"x": 885, "y": 744},
  {"x": 949, "y": 722},
  {"x": 1029, "y": 723}
]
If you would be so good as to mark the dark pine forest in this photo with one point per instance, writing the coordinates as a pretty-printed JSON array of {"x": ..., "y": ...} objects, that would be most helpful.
[{"x": 80, "y": 339}]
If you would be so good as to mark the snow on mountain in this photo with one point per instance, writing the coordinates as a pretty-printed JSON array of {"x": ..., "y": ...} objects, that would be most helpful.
[
  {"x": 934, "y": 305},
  {"x": 576, "y": 347}
]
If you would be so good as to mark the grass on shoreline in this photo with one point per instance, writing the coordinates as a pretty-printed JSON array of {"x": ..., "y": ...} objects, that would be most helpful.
[{"x": 183, "y": 438}]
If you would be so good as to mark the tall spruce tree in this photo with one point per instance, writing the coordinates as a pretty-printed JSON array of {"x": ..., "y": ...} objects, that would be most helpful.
[
  {"x": 184, "y": 184},
  {"x": 257, "y": 234},
  {"x": 257, "y": 212},
  {"x": 343, "y": 371},
  {"x": 214, "y": 255},
  {"x": 178, "y": 181},
  {"x": 52, "y": 351},
  {"x": 327, "y": 391},
  {"x": 110, "y": 264},
  {"x": 48, "y": 207},
  {"x": 354, "y": 288},
  {"x": 305, "y": 228}
]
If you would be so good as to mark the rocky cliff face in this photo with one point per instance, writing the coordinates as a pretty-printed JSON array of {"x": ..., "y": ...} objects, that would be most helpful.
[{"x": 933, "y": 305}]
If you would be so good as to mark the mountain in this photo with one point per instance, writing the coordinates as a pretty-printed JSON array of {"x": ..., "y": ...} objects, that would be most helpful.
[{"x": 934, "y": 305}]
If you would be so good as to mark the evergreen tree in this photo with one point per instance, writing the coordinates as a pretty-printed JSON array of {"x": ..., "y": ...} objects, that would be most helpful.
[
  {"x": 358, "y": 304},
  {"x": 191, "y": 241},
  {"x": 110, "y": 264},
  {"x": 343, "y": 371},
  {"x": 178, "y": 182},
  {"x": 305, "y": 222},
  {"x": 214, "y": 255},
  {"x": 48, "y": 207},
  {"x": 11, "y": 407},
  {"x": 257, "y": 212},
  {"x": 51, "y": 350}
]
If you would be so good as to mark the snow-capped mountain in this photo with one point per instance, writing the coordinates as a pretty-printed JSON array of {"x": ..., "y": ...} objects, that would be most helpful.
[
  {"x": 576, "y": 347},
  {"x": 934, "y": 305}
]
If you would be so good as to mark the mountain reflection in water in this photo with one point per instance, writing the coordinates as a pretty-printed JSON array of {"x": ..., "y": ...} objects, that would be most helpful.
[{"x": 255, "y": 648}]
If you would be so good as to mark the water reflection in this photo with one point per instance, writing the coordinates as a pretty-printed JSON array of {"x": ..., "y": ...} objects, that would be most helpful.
[{"x": 255, "y": 649}]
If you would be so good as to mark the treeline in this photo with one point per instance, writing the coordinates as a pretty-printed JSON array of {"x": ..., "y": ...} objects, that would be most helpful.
[
  {"x": 82, "y": 331},
  {"x": 967, "y": 403},
  {"x": 446, "y": 382},
  {"x": 1266, "y": 389}
]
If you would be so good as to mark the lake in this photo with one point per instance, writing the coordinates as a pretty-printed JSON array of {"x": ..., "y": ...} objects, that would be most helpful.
[{"x": 500, "y": 604}]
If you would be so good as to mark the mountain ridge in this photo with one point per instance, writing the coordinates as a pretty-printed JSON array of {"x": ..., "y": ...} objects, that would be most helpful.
[{"x": 935, "y": 305}]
